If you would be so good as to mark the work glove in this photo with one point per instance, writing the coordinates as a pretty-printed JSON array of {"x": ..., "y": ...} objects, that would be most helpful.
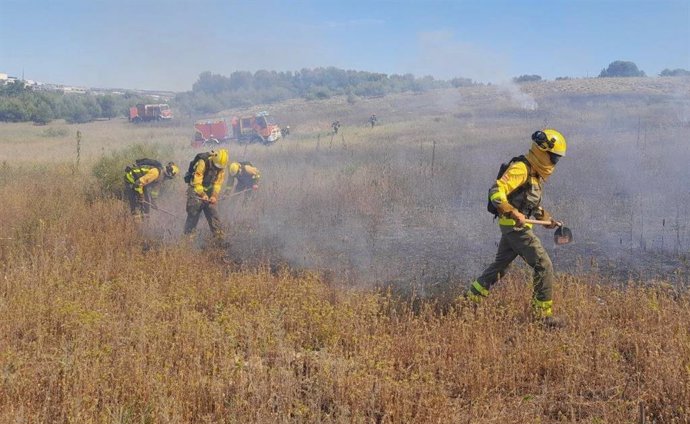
[
  {"x": 542, "y": 214},
  {"x": 519, "y": 217},
  {"x": 553, "y": 224},
  {"x": 203, "y": 197},
  {"x": 255, "y": 187},
  {"x": 213, "y": 200}
]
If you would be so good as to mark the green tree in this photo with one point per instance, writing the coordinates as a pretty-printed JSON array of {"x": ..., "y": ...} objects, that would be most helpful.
[
  {"x": 12, "y": 109},
  {"x": 621, "y": 68},
  {"x": 108, "y": 106},
  {"x": 674, "y": 73},
  {"x": 241, "y": 80},
  {"x": 526, "y": 78},
  {"x": 211, "y": 83},
  {"x": 43, "y": 114},
  {"x": 461, "y": 82},
  {"x": 212, "y": 92},
  {"x": 14, "y": 89},
  {"x": 78, "y": 109}
]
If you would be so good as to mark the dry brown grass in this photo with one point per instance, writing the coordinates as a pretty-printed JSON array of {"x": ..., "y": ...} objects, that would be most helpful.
[
  {"x": 98, "y": 326},
  {"x": 105, "y": 322}
]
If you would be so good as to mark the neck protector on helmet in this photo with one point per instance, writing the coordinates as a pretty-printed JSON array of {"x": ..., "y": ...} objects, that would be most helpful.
[{"x": 540, "y": 161}]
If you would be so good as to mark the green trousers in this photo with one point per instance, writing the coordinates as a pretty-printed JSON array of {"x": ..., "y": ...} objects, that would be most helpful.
[
  {"x": 524, "y": 243},
  {"x": 136, "y": 206},
  {"x": 195, "y": 206}
]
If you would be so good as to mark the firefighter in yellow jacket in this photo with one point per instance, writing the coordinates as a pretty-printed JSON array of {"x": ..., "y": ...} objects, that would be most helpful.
[
  {"x": 515, "y": 196},
  {"x": 205, "y": 178},
  {"x": 245, "y": 178},
  {"x": 142, "y": 184}
]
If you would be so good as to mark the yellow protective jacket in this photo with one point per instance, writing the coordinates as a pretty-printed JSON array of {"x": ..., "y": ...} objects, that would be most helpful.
[
  {"x": 142, "y": 176},
  {"x": 150, "y": 177},
  {"x": 207, "y": 180},
  {"x": 247, "y": 176},
  {"x": 518, "y": 189}
]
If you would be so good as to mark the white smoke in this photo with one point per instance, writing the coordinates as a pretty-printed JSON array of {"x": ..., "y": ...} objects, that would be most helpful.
[
  {"x": 524, "y": 100},
  {"x": 441, "y": 55}
]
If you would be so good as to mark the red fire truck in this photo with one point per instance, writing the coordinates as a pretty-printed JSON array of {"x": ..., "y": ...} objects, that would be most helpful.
[
  {"x": 210, "y": 131},
  {"x": 259, "y": 128},
  {"x": 155, "y": 112}
]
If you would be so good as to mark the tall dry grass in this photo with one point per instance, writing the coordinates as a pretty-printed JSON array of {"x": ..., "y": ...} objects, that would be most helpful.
[
  {"x": 99, "y": 324},
  {"x": 103, "y": 321}
]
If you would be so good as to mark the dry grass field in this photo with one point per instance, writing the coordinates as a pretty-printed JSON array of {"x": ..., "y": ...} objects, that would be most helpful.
[{"x": 337, "y": 300}]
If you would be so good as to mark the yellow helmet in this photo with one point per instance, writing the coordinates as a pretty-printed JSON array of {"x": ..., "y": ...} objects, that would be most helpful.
[
  {"x": 219, "y": 158},
  {"x": 234, "y": 169},
  {"x": 171, "y": 170},
  {"x": 550, "y": 140}
]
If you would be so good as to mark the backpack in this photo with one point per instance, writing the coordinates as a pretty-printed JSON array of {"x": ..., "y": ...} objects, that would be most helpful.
[
  {"x": 504, "y": 166},
  {"x": 190, "y": 171},
  {"x": 149, "y": 162},
  {"x": 144, "y": 162}
]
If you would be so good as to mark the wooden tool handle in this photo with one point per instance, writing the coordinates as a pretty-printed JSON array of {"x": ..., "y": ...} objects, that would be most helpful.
[{"x": 536, "y": 221}]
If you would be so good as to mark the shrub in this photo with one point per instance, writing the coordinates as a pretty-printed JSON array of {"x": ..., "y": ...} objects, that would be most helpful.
[
  {"x": 461, "y": 82},
  {"x": 108, "y": 106},
  {"x": 109, "y": 170},
  {"x": 318, "y": 93},
  {"x": 527, "y": 78},
  {"x": 351, "y": 99},
  {"x": 43, "y": 114},
  {"x": 621, "y": 68},
  {"x": 674, "y": 73},
  {"x": 12, "y": 109},
  {"x": 54, "y": 132}
]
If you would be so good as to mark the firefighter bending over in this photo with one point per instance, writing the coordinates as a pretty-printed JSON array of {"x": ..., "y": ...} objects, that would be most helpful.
[
  {"x": 515, "y": 196},
  {"x": 205, "y": 177},
  {"x": 245, "y": 177},
  {"x": 142, "y": 184}
]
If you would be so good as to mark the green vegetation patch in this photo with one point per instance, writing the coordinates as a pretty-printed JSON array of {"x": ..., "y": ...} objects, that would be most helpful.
[{"x": 109, "y": 170}]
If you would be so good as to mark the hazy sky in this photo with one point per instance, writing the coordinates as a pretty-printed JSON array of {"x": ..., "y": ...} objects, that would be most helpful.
[{"x": 166, "y": 44}]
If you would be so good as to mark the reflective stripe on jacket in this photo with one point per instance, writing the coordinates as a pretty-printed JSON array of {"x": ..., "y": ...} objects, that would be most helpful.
[{"x": 142, "y": 176}]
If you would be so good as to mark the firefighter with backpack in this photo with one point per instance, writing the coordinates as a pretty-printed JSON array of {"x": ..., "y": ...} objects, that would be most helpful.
[
  {"x": 142, "y": 184},
  {"x": 245, "y": 178},
  {"x": 205, "y": 177},
  {"x": 515, "y": 195}
]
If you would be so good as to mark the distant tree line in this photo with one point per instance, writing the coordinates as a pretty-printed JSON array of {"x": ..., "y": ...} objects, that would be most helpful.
[
  {"x": 675, "y": 73},
  {"x": 527, "y": 78},
  {"x": 618, "y": 69},
  {"x": 213, "y": 92},
  {"x": 621, "y": 68},
  {"x": 19, "y": 103}
]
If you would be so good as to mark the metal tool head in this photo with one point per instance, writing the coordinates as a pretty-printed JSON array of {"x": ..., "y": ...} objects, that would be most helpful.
[{"x": 563, "y": 235}]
